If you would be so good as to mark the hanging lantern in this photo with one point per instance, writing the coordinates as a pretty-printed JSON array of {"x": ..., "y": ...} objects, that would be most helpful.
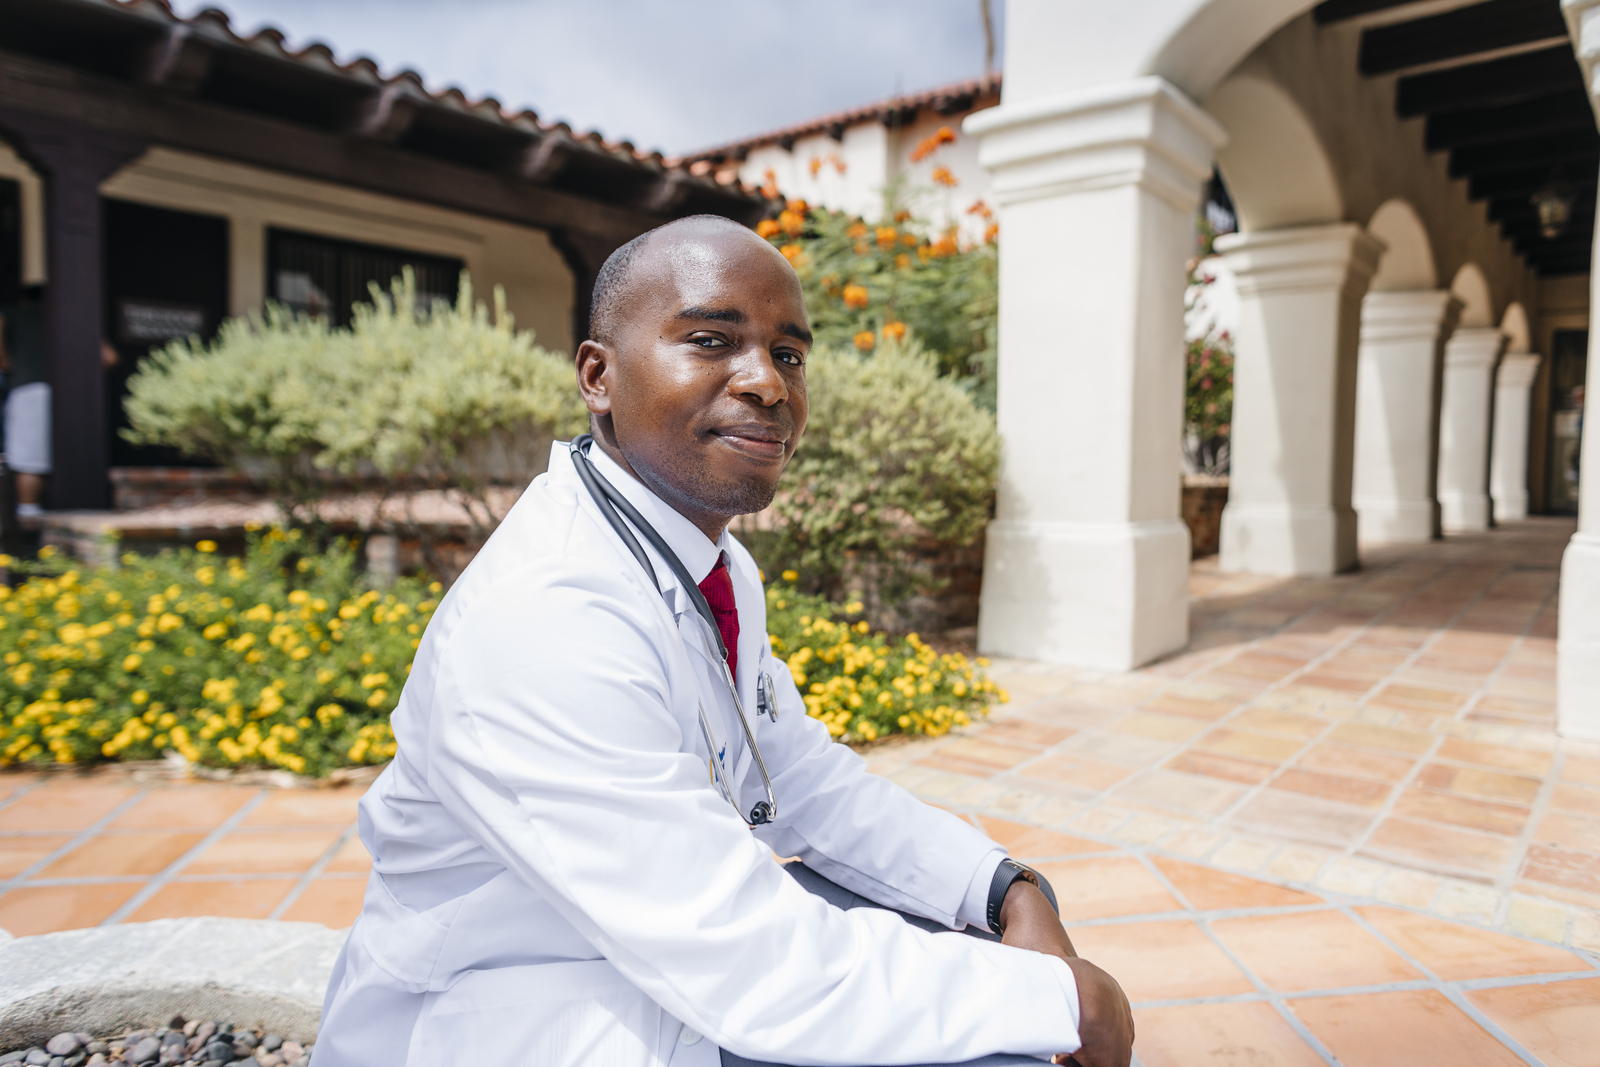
[{"x": 1554, "y": 204}]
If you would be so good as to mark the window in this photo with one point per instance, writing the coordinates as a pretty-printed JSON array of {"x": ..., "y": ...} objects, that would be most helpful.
[{"x": 326, "y": 276}]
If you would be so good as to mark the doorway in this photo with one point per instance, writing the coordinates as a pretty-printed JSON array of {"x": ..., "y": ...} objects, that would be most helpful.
[
  {"x": 166, "y": 278},
  {"x": 1569, "y": 360}
]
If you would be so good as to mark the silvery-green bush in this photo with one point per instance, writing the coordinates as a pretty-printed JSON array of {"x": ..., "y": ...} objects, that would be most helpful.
[
  {"x": 894, "y": 455},
  {"x": 411, "y": 396}
]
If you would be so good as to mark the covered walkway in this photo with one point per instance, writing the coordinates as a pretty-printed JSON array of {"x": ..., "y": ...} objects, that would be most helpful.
[{"x": 1387, "y": 734}]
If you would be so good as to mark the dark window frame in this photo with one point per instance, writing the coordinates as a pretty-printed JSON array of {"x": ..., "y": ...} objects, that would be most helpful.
[{"x": 349, "y": 266}]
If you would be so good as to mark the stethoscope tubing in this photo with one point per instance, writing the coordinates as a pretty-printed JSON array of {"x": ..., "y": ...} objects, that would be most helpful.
[{"x": 610, "y": 501}]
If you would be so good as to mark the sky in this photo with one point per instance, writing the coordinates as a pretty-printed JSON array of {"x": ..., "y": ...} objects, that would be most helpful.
[{"x": 674, "y": 76}]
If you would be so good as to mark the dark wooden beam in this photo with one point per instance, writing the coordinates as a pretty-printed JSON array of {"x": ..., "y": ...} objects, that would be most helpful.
[
  {"x": 1492, "y": 83},
  {"x": 1566, "y": 113},
  {"x": 1465, "y": 31},
  {"x": 53, "y": 92},
  {"x": 1527, "y": 182},
  {"x": 1331, "y": 11},
  {"x": 179, "y": 61},
  {"x": 1557, "y": 150}
]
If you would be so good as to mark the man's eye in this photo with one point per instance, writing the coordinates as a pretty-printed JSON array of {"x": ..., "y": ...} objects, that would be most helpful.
[
  {"x": 708, "y": 342},
  {"x": 791, "y": 358}
]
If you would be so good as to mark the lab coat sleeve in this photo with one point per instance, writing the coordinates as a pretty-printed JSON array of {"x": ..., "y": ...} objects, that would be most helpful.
[
  {"x": 862, "y": 830},
  {"x": 552, "y": 739}
]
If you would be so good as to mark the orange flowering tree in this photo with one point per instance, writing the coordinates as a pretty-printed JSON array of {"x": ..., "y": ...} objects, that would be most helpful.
[{"x": 896, "y": 278}]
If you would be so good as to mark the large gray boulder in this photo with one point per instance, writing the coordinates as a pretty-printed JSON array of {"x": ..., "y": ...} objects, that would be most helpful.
[{"x": 109, "y": 979}]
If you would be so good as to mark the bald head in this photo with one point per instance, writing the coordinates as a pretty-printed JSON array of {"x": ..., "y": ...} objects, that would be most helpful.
[
  {"x": 631, "y": 264},
  {"x": 694, "y": 371}
]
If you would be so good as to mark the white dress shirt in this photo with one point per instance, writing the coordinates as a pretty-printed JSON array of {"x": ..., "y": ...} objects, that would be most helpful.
[{"x": 556, "y": 879}]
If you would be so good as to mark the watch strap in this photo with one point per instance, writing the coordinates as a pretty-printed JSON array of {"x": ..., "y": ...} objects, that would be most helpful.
[{"x": 1008, "y": 871}]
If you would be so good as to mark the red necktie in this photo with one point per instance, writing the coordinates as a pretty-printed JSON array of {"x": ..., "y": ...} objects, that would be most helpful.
[{"x": 718, "y": 590}]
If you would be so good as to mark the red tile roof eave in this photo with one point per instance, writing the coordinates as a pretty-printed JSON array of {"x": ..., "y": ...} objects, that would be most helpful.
[
  {"x": 851, "y": 117},
  {"x": 215, "y": 25}
]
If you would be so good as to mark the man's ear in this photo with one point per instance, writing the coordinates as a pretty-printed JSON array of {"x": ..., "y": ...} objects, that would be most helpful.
[{"x": 596, "y": 376}]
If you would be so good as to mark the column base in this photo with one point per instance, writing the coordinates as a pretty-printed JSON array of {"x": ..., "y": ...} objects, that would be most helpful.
[
  {"x": 1512, "y": 507},
  {"x": 1578, "y": 643},
  {"x": 1110, "y": 596},
  {"x": 1402, "y": 522},
  {"x": 1288, "y": 540},
  {"x": 1468, "y": 513}
]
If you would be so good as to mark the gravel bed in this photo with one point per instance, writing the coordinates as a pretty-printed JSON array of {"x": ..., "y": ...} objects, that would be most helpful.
[{"x": 181, "y": 1043}]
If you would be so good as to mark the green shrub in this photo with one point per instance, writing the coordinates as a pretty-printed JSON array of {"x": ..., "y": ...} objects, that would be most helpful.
[
  {"x": 419, "y": 397},
  {"x": 277, "y": 659},
  {"x": 865, "y": 685},
  {"x": 893, "y": 453}
]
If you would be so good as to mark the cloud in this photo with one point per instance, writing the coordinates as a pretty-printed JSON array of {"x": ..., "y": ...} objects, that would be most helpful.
[{"x": 670, "y": 75}]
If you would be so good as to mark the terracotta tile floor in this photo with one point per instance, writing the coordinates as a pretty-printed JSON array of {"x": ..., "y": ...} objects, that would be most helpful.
[
  {"x": 1338, "y": 829},
  {"x": 83, "y": 851}
]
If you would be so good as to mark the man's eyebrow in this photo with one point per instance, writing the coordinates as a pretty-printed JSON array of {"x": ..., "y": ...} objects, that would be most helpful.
[
  {"x": 799, "y": 333},
  {"x": 733, "y": 315}
]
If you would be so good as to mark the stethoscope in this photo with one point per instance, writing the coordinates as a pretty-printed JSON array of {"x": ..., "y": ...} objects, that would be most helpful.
[{"x": 610, "y": 501}]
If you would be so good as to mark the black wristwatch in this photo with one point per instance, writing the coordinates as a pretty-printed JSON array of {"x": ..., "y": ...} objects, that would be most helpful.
[{"x": 1009, "y": 871}]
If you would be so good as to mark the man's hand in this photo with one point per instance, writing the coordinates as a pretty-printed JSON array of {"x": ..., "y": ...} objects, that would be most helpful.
[{"x": 1105, "y": 1022}]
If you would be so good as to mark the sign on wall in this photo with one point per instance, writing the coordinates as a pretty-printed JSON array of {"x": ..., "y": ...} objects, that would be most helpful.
[{"x": 155, "y": 322}]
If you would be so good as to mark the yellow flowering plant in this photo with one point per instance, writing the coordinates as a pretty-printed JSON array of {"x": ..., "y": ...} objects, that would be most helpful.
[
  {"x": 280, "y": 658},
  {"x": 864, "y": 685}
]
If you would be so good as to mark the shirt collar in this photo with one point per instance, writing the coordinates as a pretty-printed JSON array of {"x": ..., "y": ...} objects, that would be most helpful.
[{"x": 698, "y": 553}]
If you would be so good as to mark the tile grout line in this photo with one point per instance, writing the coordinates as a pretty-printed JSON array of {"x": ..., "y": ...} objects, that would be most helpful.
[
  {"x": 311, "y": 873},
  {"x": 82, "y": 837},
  {"x": 1295, "y": 1022},
  {"x": 161, "y": 879},
  {"x": 1525, "y": 838},
  {"x": 1376, "y": 989}
]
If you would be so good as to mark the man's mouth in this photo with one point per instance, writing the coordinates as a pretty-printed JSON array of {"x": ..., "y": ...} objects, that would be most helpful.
[{"x": 754, "y": 439}]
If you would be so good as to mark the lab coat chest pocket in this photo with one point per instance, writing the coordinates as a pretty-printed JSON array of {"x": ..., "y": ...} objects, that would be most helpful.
[{"x": 582, "y": 1014}]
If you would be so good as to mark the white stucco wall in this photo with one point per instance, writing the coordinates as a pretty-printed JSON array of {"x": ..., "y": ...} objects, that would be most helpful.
[
  {"x": 874, "y": 154},
  {"x": 33, "y": 261}
]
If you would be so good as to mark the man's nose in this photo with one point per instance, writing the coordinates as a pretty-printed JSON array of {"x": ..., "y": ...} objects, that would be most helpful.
[{"x": 756, "y": 375}]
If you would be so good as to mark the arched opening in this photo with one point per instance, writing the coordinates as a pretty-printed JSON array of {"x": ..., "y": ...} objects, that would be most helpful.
[
  {"x": 1514, "y": 324},
  {"x": 1471, "y": 288},
  {"x": 1276, "y": 168},
  {"x": 1407, "y": 261}
]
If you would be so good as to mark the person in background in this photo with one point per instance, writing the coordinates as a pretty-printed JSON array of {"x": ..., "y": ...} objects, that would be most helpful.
[{"x": 25, "y": 361}]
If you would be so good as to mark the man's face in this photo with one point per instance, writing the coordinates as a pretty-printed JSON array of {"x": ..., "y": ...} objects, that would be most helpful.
[{"x": 702, "y": 384}]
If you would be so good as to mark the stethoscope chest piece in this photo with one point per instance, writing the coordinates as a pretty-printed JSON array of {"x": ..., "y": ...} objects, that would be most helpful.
[{"x": 766, "y": 697}]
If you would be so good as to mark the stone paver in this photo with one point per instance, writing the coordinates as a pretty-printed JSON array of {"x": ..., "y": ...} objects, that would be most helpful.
[{"x": 1338, "y": 829}]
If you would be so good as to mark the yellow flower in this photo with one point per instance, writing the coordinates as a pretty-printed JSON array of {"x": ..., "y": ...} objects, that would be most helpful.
[
  {"x": 856, "y": 296},
  {"x": 791, "y": 576},
  {"x": 865, "y": 340},
  {"x": 767, "y": 227},
  {"x": 794, "y": 253},
  {"x": 139, "y": 697},
  {"x": 205, "y": 546},
  {"x": 886, "y": 236},
  {"x": 942, "y": 176},
  {"x": 131, "y": 662}
]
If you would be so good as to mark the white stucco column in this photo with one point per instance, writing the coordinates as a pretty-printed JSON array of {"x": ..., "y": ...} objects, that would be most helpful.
[
  {"x": 1087, "y": 561},
  {"x": 1578, "y": 629},
  {"x": 1465, "y": 404},
  {"x": 1294, "y": 397},
  {"x": 1508, "y": 448},
  {"x": 1397, "y": 413}
]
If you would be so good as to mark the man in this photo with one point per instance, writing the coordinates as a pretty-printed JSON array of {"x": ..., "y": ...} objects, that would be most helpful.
[{"x": 558, "y": 877}]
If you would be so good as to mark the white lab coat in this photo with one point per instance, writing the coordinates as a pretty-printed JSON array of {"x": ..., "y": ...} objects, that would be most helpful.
[{"x": 557, "y": 882}]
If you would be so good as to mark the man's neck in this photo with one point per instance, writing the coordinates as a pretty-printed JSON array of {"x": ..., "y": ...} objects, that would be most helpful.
[{"x": 708, "y": 523}]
